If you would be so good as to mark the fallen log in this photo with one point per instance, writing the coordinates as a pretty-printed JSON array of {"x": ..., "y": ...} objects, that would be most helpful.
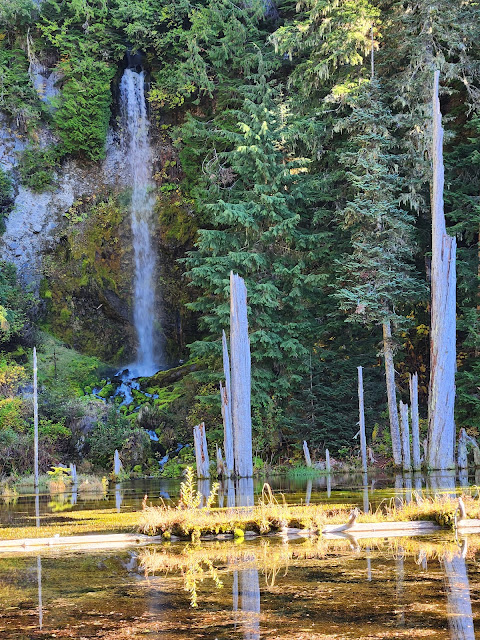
[{"x": 113, "y": 540}]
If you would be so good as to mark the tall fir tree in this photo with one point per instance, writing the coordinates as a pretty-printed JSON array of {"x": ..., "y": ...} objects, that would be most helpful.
[
  {"x": 377, "y": 277},
  {"x": 256, "y": 205}
]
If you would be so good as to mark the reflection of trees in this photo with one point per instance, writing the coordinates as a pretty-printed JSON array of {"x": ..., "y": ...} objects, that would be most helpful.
[{"x": 459, "y": 607}]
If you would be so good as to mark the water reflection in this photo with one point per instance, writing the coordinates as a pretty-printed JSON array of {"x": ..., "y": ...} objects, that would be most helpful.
[
  {"x": 267, "y": 588},
  {"x": 459, "y": 606},
  {"x": 246, "y": 584}
]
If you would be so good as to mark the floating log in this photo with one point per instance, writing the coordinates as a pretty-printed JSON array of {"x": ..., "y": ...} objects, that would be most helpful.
[
  {"x": 306, "y": 453},
  {"x": 441, "y": 398},
  {"x": 227, "y": 411},
  {"x": 201, "y": 451},
  {"x": 381, "y": 529},
  {"x": 240, "y": 378},
  {"x": 464, "y": 524},
  {"x": 96, "y": 541},
  {"x": 413, "y": 384},
  {"x": 405, "y": 432},
  {"x": 361, "y": 421}
]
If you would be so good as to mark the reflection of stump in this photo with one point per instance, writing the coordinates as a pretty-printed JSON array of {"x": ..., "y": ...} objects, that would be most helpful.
[{"x": 459, "y": 607}]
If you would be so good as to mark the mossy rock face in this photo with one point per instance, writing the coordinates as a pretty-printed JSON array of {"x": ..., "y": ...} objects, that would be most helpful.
[
  {"x": 89, "y": 278},
  {"x": 166, "y": 378}
]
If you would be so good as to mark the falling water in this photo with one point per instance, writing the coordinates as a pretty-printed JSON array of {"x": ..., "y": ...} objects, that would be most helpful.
[{"x": 139, "y": 164}]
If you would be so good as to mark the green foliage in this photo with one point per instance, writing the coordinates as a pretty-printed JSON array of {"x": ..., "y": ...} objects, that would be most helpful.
[
  {"x": 255, "y": 205},
  {"x": 377, "y": 276},
  {"x": 105, "y": 437},
  {"x": 18, "y": 98},
  {"x": 14, "y": 304},
  {"x": 37, "y": 167},
  {"x": 6, "y": 197}
]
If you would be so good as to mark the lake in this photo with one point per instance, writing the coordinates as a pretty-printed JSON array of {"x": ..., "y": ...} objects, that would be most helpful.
[{"x": 426, "y": 587}]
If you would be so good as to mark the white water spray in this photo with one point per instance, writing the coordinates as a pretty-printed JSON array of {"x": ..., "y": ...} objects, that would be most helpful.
[{"x": 138, "y": 156}]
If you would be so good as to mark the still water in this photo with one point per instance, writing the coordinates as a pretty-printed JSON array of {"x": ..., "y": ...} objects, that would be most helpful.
[
  {"x": 301, "y": 590},
  {"x": 366, "y": 492}
]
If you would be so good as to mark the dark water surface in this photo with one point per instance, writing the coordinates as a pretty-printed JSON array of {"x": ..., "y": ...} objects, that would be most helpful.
[
  {"x": 355, "y": 489},
  {"x": 301, "y": 590}
]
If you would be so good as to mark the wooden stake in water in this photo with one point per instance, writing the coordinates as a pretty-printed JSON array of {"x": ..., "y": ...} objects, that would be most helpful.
[
  {"x": 405, "y": 429},
  {"x": 306, "y": 453},
  {"x": 201, "y": 451},
  {"x": 226, "y": 397},
  {"x": 413, "y": 382},
  {"x": 361, "y": 421},
  {"x": 241, "y": 378},
  {"x": 35, "y": 417}
]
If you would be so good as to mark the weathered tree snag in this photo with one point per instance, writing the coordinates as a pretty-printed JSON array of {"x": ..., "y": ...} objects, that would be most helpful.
[
  {"x": 241, "y": 378},
  {"x": 441, "y": 401},
  {"x": 476, "y": 449},
  {"x": 117, "y": 463},
  {"x": 459, "y": 606},
  {"x": 227, "y": 410},
  {"x": 328, "y": 467},
  {"x": 391, "y": 394},
  {"x": 201, "y": 451},
  {"x": 308, "y": 491},
  {"x": 35, "y": 418},
  {"x": 220, "y": 463},
  {"x": 462, "y": 457},
  {"x": 306, "y": 453},
  {"x": 361, "y": 421},
  {"x": 405, "y": 430},
  {"x": 413, "y": 383}
]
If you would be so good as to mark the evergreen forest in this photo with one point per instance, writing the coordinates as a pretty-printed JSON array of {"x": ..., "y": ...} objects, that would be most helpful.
[{"x": 292, "y": 144}]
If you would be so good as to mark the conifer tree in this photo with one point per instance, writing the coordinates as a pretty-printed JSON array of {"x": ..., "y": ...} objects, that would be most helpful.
[
  {"x": 377, "y": 276},
  {"x": 259, "y": 226}
]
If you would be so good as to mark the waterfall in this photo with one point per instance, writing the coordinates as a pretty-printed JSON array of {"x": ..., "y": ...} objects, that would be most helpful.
[{"x": 138, "y": 157}]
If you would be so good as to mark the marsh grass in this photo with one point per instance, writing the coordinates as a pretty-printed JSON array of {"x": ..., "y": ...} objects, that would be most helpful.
[{"x": 271, "y": 515}]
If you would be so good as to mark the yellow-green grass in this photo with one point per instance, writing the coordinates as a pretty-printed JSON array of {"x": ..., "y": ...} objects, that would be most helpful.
[
  {"x": 269, "y": 516},
  {"x": 76, "y": 523}
]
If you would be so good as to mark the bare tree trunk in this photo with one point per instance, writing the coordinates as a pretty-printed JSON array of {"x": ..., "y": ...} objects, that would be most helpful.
[
  {"x": 306, "y": 453},
  {"x": 361, "y": 421},
  {"x": 241, "y": 378},
  {"x": 227, "y": 410},
  {"x": 475, "y": 448},
  {"x": 328, "y": 467},
  {"x": 391, "y": 394},
  {"x": 405, "y": 436},
  {"x": 415, "y": 422},
  {"x": 462, "y": 450},
  {"x": 201, "y": 451},
  {"x": 441, "y": 401},
  {"x": 35, "y": 418},
  {"x": 220, "y": 463}
]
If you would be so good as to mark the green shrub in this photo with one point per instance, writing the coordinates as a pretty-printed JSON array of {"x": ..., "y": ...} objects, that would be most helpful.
[{"x": 37, "y": 167}]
